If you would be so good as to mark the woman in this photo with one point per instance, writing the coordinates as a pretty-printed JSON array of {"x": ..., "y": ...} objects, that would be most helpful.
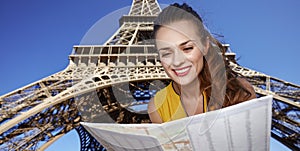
[{"x": 195, "y": 61}]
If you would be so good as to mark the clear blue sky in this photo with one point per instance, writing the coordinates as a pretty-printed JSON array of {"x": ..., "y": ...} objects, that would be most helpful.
[{"x": 36, "y": 37}]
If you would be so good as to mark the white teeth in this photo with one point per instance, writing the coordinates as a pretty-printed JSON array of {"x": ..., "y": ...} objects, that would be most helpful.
[{"x": 182, "y": 70}]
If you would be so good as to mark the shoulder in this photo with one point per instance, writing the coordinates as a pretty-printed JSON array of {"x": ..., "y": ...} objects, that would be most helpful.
[
  {"x": 153, "y": 113},
  {"x": 153, "y": 104},
  {"x": 158, "y": 99},
  {"x": 161, "y": 95}
]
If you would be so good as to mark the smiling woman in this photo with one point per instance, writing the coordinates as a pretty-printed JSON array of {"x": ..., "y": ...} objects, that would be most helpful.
[
  {"x": 256, "y": 30},
  {"x": 196, "y": 63}
]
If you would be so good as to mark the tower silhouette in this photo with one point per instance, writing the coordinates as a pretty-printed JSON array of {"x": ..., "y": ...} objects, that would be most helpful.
[{"x": 107, "y": 83}]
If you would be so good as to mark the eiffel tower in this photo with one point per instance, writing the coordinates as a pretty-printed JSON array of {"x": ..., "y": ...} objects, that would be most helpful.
[{"x": 126, "y": 66}]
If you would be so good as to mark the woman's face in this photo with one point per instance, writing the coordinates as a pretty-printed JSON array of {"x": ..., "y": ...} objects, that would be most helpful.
[{"x": 180, "y": 53}]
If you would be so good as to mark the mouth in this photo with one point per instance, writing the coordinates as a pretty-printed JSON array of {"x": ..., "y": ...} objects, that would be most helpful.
[{"x": 180, "y": 72}]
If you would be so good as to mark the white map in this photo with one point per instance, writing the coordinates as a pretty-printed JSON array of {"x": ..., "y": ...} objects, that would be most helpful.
[{"x": 245, "y": 126}]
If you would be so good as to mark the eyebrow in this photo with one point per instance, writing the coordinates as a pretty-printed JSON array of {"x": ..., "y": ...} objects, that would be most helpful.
[
  {"x": 164, "y": 48},
  {"x": 181, "y": 44},
  {"x": 184, "y": 43}
]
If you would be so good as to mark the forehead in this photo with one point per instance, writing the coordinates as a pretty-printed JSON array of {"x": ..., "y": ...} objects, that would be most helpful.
[{"x": 176, "y": 33}]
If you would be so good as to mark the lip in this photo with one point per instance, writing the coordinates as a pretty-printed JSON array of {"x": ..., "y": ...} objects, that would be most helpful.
[{"x": 180, "y": 72}]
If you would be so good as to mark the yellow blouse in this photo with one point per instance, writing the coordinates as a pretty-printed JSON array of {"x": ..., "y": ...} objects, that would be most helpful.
[{"x": 168, "y": 104}]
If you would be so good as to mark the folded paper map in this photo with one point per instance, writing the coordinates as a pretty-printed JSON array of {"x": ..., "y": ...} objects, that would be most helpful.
[{"x": 245, "y": 126}]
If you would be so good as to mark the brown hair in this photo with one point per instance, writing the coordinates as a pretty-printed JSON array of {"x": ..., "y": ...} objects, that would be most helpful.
[{"x": 217, "y": 79}]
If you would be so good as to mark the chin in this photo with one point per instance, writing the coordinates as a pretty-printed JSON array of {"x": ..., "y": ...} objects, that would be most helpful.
[{"x": 184, "y": 81}]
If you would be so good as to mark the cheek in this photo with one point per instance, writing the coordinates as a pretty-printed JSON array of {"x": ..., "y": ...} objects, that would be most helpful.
[
  {"x": 197, "y": 60},
  {"x": 167, "y": 69},
  {"x": 164, "y": 65},
  {"x": 196, "y": 57},
  {"x": 167, "y": 61}
]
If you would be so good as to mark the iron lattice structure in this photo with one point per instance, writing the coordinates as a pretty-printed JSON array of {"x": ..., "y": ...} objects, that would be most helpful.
[{"x": 107, "y": 82}]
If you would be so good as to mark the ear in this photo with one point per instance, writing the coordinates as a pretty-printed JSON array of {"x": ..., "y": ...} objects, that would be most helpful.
[{"x": 206, "y": 46}]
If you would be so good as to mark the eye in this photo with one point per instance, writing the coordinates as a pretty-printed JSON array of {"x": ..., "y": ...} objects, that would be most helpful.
[
  {"x": 188, "y": 48},
  {"x": 165, "y": 54}
]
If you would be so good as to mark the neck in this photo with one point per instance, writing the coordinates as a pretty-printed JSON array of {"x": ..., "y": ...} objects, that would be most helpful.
[
  {"x": 190, "y": 97},
  {"x": 190, "y": 91}
]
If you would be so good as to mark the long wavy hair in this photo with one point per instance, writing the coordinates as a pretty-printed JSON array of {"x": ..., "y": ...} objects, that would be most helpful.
[{"x": 219, "y": 82}]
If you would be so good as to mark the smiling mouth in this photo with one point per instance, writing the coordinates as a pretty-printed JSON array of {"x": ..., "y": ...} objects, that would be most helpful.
[{"x": 182, "y": 71}]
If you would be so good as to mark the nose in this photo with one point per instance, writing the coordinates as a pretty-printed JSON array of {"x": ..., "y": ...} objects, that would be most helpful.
[{"x": 178, "y": 58}]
